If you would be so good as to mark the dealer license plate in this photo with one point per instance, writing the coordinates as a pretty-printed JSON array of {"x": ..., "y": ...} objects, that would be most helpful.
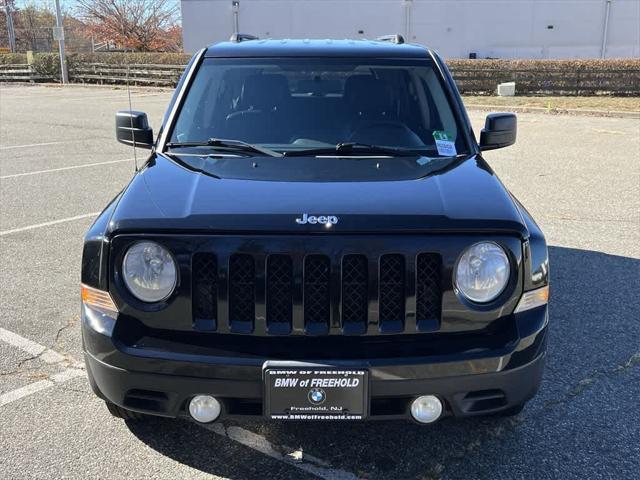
[{"x": 315, "y": 393}]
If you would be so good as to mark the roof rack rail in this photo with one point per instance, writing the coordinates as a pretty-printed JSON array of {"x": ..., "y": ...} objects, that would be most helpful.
[
  {"x": 242, "y": 37},
  {"x": 397, "y": 38}
]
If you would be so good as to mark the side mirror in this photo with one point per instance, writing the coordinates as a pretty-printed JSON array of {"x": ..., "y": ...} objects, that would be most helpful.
[
  {"x": 132, "y": 128},
  {"x": 499, "y": 131}
]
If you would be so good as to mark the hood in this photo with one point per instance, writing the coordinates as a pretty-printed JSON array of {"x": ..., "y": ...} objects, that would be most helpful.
[{"x": 463, "y": 196}]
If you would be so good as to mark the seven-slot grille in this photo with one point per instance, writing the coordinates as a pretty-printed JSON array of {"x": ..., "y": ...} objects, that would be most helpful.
[
  {"x": 279, "y": 294},
  {"x": 205, "y": 292},
  {"x": 355, "y": 281},
  {"x": 311, "y": 295}
]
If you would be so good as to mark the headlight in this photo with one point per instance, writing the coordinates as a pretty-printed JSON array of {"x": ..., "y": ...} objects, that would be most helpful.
[
  {"x": 149, "y": 271},
  {"x": 482, "y": 272}
]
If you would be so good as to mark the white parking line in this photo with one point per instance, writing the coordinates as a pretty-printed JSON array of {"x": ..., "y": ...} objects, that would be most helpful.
[
  {"x": 30, "y": 347},
  {"x": 68, "y": 374},
  {"x": 65, "y": 95},
  {"x": 17, "y": 394},
  {"x": 73, "y": 167},
  {"x": 295, "y": 458},
  {"x": 48, "y": 224},
  {"x": 46, "y": 355},
  {"x": 29, "y": 145}
]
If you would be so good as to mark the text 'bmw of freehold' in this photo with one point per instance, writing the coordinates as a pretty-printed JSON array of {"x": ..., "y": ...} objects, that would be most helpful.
[{"x": 315, "y": 236}]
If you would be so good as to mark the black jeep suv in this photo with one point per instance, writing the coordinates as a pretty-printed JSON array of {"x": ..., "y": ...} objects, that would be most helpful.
[{"x": 315, "y": 236}]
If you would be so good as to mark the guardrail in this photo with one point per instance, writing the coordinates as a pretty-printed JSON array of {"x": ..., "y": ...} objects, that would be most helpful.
[
  {"x": 138, "y": 74},
  {"x": 20, "y": 72},
  {"x": 471, "y": 80}
]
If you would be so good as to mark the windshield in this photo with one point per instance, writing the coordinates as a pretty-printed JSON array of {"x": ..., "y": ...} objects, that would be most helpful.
[{"x": 298, "y": 104}]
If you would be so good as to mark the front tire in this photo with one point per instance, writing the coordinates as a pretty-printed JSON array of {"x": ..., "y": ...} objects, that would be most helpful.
[{"x": 119, "y": 412}]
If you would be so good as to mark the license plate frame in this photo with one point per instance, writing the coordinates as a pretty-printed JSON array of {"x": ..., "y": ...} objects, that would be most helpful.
[{"x": 310, "y": 392}]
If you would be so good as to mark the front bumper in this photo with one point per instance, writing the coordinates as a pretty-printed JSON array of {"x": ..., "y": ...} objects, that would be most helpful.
[{"x": 472, "y": 382}]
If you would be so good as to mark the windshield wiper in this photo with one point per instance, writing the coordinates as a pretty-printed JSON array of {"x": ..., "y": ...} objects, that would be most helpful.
[
  {"x": 355, "y": 148},
  {"x": 232, "y": 145}
]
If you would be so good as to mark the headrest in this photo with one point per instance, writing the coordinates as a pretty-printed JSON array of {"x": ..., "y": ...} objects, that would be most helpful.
[
  {"x": 367, "y": 94},
  {"x": 264, "y": 91}
]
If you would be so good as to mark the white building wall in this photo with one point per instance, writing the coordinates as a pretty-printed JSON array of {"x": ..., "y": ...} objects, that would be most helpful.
[{"x": 490, "y": 28}]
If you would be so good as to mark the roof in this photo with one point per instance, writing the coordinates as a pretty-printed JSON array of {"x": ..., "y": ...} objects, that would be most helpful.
[{"x": 316, "y": 48}]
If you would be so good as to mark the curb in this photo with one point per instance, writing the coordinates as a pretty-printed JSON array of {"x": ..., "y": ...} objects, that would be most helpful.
[{"x": 555, "y": 111}]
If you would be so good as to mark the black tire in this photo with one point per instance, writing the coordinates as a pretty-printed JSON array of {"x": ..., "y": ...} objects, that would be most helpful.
[
  {"x": 511, "y": 411},
  {"x": 119, "y": 412}
]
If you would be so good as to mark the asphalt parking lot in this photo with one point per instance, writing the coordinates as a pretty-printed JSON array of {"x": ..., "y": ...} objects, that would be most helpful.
[{"x": 60, "y": 165}]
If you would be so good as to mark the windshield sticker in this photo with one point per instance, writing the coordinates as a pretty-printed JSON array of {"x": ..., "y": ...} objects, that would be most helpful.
[{"x": 444, "y": 143}]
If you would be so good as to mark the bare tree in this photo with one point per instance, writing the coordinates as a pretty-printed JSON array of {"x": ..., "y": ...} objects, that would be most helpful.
[
  {"x": 134, "y": 24},
  {"x": 31, "y": 23}
]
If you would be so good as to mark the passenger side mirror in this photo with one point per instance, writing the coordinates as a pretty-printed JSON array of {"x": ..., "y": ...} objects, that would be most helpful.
[
  {"x": 132, "y": 128},
  {"x": 499, "y": 131}
]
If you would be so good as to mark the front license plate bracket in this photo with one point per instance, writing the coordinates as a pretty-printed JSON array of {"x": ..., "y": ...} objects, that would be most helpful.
[{"x": 298, "y": 391}]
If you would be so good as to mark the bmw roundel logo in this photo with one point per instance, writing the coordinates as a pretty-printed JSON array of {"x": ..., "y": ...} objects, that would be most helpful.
[{"x": 317, "y": 396}]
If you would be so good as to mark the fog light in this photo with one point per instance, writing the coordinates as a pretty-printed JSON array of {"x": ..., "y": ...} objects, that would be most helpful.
[
  {"x": 204, "y": 408},
  {"x": 426, "y": 409}
]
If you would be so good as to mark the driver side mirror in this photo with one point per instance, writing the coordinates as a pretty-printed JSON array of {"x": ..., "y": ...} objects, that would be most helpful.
[
  {"x": 499, "y": 131},
  {"x": 132, "y": 128}
]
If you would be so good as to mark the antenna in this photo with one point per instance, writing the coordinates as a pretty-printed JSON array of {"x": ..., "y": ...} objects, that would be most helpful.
[{"x": 133, "y": 137}]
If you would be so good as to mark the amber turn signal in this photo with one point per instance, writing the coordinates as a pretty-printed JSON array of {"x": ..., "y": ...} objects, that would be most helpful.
[
  {"x": 97, "y": 299},
  {"x": 533, "y": 299}
]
